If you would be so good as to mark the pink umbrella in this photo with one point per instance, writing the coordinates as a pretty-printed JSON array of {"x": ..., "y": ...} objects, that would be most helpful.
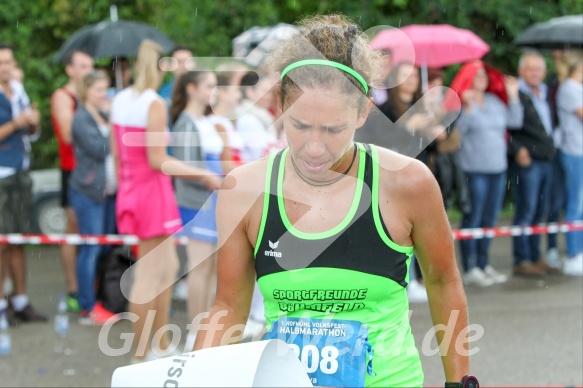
[{"x": 431, "y": 45}]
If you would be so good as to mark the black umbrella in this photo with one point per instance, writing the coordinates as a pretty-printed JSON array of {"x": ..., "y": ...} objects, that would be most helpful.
[
  {"x": 557, "y": 33},
  {"x": 109, "y": 39}
]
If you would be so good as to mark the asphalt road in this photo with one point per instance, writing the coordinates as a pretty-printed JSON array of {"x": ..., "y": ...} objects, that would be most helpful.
[{"x": 533, "y": 333}]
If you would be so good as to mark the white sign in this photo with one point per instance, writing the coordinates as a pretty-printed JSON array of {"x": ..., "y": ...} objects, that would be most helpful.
[{"x": 255, "y": 364}]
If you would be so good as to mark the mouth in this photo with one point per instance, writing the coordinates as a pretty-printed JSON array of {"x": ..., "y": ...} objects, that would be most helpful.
[{"x": 313, "y": 167}]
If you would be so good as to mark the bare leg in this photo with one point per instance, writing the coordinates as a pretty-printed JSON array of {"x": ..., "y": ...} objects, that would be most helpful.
[
  {"x": 153, "y": 279},
  {"x": 17, "y": 262},
  {"x": 69, "y": 252},
  {"x": 202, "y": 277}
]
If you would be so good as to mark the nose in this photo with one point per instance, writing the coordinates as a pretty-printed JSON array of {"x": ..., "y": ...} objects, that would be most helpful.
[{"x": 315, "y": 146}]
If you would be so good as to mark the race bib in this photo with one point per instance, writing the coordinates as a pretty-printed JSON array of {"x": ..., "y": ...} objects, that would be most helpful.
[{"x": 334, "y": 352}]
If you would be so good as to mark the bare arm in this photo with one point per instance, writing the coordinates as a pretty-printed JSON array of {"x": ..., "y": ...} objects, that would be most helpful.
[
  {"x": 236, "y": 266},
  {"x": 579, "y": 112},
  {"x": 8, "y": 128},
  {"x": 433, "y": 241},
  {"x": 158, "y": 157},
  {"x": 62, "y": 111}
]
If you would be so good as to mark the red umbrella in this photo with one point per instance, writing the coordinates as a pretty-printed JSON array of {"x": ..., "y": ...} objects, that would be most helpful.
[{"x": 433, "y": 45}]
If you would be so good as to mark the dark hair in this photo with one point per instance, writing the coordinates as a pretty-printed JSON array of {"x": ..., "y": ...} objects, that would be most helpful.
[
  {"x": 333, "y": 37},
  {"x": 179, "y": 48},
  {"x": 249, "y": 80},
  {"x": 394, "y": 99},
  {"x": 179, "y": 94},
  {"x": 4, "y": 46},
  {"x": 69, "y": 57}
]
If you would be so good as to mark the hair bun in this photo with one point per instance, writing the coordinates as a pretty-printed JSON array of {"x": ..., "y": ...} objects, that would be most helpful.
[{"x": 351, "y": 31}]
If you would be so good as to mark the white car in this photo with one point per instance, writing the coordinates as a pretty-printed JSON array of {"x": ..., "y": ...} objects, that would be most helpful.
[{"x": 49, "y": 216}]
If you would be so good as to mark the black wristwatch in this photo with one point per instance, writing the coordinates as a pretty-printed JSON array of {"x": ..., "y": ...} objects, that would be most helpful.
[{"x": 467, "y": 382}]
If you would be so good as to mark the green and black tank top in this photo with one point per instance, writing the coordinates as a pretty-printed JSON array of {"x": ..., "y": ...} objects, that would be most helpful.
[{"x": 353, "y": 271}]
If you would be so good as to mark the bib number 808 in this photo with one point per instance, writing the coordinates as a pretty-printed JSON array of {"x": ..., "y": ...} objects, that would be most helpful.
[{"x": 312, "y": 358}]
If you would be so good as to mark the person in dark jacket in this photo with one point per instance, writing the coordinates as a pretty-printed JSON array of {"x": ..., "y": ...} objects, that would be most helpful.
[
  {"x": 531, "y": 150},
  {"x": 92, "y": 188}
]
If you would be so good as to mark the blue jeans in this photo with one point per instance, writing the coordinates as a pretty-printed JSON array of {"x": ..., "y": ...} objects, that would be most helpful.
[
  {"x": 531, "y": 188},
  {"x": 93, "y": 218},
  {"x": 573, "y": 166},
  {"x": 486, "y": 192},
  {"x": 557, "y": 201}
]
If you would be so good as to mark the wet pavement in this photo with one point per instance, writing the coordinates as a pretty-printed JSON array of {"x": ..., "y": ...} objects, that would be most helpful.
[{"x": 533, "y": 333}]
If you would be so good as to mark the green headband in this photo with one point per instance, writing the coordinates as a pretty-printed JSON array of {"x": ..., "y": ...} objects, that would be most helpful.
[{"x": 324, "y": 62}]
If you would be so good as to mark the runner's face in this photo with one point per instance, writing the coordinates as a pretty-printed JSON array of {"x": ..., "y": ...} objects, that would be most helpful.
[{"x": 320, "y": 127}]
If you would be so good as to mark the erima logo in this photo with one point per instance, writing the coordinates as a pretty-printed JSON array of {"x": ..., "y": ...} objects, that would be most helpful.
[{"x": 273, "y": 246}]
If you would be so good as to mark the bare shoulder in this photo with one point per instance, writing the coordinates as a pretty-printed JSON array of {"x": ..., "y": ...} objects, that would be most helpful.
[
  {"x": 60, "y": 97},
  {"x": 404, "y": 176},
  {"x": 243, "y": 186}
]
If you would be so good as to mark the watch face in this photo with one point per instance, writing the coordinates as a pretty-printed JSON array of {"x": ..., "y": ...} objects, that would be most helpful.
[{"x": 470, "y": 382}]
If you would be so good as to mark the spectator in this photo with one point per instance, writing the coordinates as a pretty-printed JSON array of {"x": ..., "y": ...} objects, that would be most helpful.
[
  {"x": 197, "y": 143},
  {"x": 19, "y": 124},
  {"x": 92, "y": 188},
  {"x": 227, "y": 97},
  {"x": 63, "y": 107},
  {"x": 180, "y": 56},
  {"x": 380, "y": 94},
  {"x": 557, "y": 201},
  {"x": 570, "y": 110},
  {"x": 145, "y": 205},
  {"x": 531, "y": 151},
  {"x": 401, "y": 128},
  {"x": 490, "y": 105},
  {"x": 443, "y": 160},
  {"x": 254, "y": 122}
]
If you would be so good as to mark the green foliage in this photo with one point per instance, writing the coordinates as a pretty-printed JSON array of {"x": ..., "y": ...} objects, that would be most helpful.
[{"x": 38, "y": 28}]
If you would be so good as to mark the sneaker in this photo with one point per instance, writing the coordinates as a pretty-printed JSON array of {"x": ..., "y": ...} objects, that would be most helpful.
[
  {"x": 496, "y": 276},
  {"x": 99, "y": 316},
  {"x": 553, "y": 260},
  {"x": 574, "y": 266},
  {"x": 29, "y": 314},
  {"x": 527, "y": 269},
  {"x": 72, "y": 303},
  {"x": 416, "y": 292},
  {"x": 477, "y": 277}
]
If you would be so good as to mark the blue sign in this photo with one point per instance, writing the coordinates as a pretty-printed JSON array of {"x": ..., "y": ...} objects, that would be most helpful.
[{"x": 334, "y": 352}]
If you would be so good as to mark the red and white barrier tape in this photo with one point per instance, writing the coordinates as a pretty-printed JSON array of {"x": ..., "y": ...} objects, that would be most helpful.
[{"x": 114, "y": 239}]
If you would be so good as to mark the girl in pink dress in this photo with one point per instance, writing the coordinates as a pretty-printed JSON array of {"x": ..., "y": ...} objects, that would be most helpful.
[{"x": 146, "y": 205}]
